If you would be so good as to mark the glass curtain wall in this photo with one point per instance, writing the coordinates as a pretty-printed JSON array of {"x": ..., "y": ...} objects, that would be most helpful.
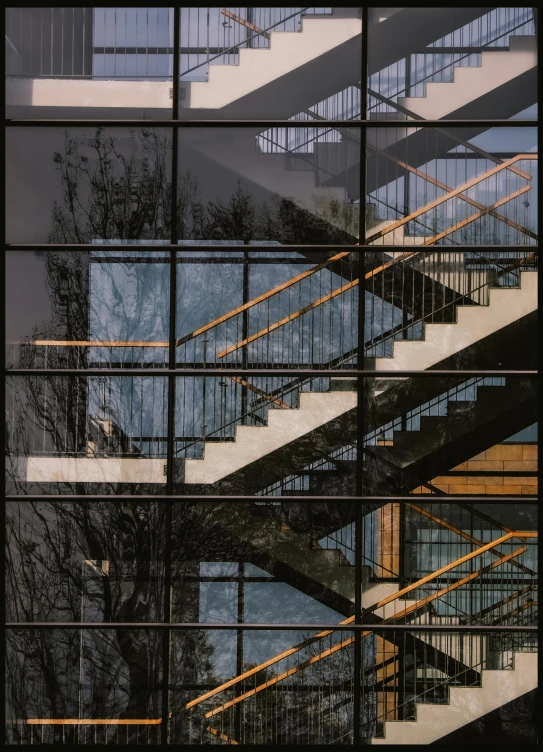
[{"x": 245, "y": 503}]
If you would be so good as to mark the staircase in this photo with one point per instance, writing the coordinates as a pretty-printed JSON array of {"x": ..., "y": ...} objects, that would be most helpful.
[
  {"x": 465, "y": 704},
  {"x": 460, "y": 669}
]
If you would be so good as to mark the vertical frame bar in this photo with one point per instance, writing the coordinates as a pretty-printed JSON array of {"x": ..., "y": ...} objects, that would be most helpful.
[
  {"x": 357, "y": 704},
  {"x": 170, "y": 439}
]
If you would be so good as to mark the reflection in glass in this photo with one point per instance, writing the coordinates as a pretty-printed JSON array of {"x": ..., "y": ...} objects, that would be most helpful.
[
  {"x": 286, "y": 185},
  {"x": 463, "y": 186},
  {"x": 452, "y": 63},
  {"x": 459, "y": 309},
  {"x": 95, "y": 434},
  {"x": 449, "y": 435},
  {"x": 289, "y": 686},
  {"x": 103, "y": 63},
  {"x": 89, "y": 310},
  {"x": 262, "y": 435},
  {"x": 270, "y": 63},
  {"x": 261, "y": 309},
  {"x": 263, "y": 562},
  {"x": 88, "y": 185},
  {"x": 83, "y": 675},
  {"x": 68, "y": 561}
]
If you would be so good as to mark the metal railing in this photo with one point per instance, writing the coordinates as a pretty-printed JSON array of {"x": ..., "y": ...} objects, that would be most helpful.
[
  {"x": 136, "y": 43},
  {"x": 318, "y": 671},
  {"x": 436, "y": 63}
]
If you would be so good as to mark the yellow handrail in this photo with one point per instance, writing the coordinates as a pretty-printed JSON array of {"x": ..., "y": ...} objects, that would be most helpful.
[
  {"x": 350, "y": 619},
  {"x": 452, "y": 194}
]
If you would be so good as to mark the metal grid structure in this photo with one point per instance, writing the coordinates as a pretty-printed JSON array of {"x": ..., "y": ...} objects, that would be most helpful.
[{"x": 173, "y": 370}]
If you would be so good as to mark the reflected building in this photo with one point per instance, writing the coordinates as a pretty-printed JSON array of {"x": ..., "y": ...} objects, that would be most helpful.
[{"x": 246, "y": 504}]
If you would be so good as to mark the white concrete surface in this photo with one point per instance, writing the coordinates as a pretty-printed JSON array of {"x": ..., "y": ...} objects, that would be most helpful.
[
  {"x": 65, "y": 92},
  {"x": 95, "y": 470},
  {"x": 472, "y": 82},
  {"x": 506, "y": 305},
  {"x": 288, "y": 50},
  {"x": 254, "y": 442},
  {"x": 466, "y": 704}
]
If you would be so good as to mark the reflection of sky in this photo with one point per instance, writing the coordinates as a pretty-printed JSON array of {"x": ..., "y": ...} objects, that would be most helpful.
[{"x": 264, "y": 602}]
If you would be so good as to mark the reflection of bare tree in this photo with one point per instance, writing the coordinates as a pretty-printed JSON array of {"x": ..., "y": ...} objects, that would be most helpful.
[
  {"x": 120, "y": 189},
  {"x": 104, "y": 562}
]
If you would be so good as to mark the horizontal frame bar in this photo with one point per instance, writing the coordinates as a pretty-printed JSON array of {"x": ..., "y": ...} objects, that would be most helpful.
[
  {"x": 487, "y": 499},
  {"x": 141, "y": 247},
  {"x": 161, "y": 372},
  {"x": 275, "y": 627},
  {"x": 138, "y": 123}
]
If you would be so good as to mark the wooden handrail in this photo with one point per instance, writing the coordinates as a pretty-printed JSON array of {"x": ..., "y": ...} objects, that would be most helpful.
[
  {"x": 507, "y": 599},
  {"x": 411, "y": 609},
  {"x": 222, "y": 736},
  {"x": 92, "y": 343},
  {"x": 473, "y": 217},
  {"x": 260, "y": 298},
  {"x": 315, "y": 304},
  {"x": 443, "y": 131},
  {"x": 462, "y": 533},
  {"x": 287, "y": 319},
  {"x": 93, "y": 722},
  {"x": 452, "y": 194},
  {"x": 443, "y": 186},
  {"x": 350, "y": 619},
  {"x": 251, "y": 26},
  {"x": 529, "y": 603}
]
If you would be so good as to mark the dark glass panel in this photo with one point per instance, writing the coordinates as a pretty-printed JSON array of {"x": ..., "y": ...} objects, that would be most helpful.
[
  {"x": 263, "y": 562},
  {"x": 90, "y": 435},
  {"x": 87, "y": 310},
  {"x": 285, "y": 185},
  {"x": 455, "y": 186},
  {"x": 88, "y": 185},
  {"x": 61, "y": 680},
  {"x": 73, "y": 561},
  {"x": 443, "y": 435}
]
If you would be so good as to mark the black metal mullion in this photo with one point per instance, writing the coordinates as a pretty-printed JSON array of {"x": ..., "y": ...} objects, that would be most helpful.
[
  {"x": 264, "y": 124},
  {"x": 357, "y": 688},
  {"x": 166, "y": 651}
]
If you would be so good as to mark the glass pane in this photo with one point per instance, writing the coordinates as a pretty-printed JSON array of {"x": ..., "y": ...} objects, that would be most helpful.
[
  {"x": 452, "y": 63},
  {"x": 437, "y": 435},
  {"x": 104, "y": 63},
  {"x": 88, "y": 185},
  {"x": 88, "y": 309},
  {"x": 246, "y": 63},
  {"x": 71, "y": 686},
  {"x": 411, "y": 682},
  {"x": 265, "y": 436},
  {"x": 94, "y": 434},
  {"x": 284, "y": 185},
  {"x": 451, "y": 309},
  {"x": 245, "y": 690},
  {"x": 263, "y": 562},
  {"x": 463, "y": 186},
  {"x": 260, "y": 309},
  {"x": 70, "y": 561}
]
